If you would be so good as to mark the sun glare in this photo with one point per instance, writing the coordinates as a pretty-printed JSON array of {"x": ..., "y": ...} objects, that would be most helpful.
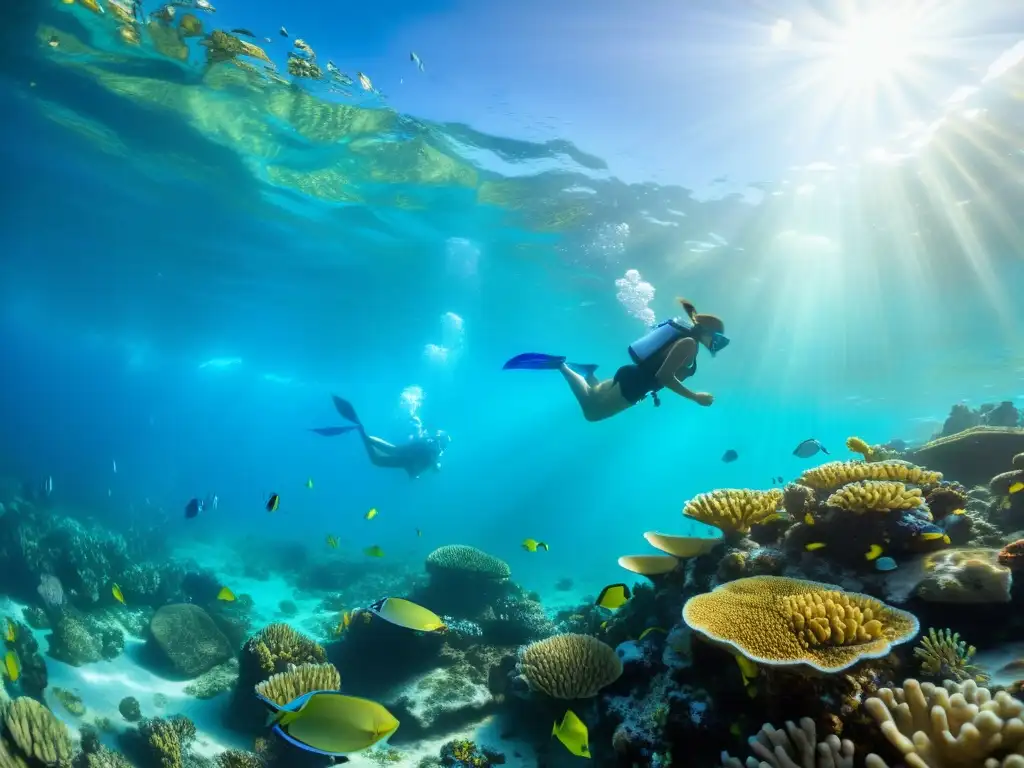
[{"x": 874, "y": 49}]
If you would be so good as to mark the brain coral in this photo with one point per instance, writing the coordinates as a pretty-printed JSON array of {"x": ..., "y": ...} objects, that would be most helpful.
[
  {"x": 959, "y": 725},
  {"x": 779, "y": 621},
  {"x": 734, "y": 510},
  {"x": 837, "y": 473},
  {"x": 462, "y": 560},
  {"x": 569, "y": 666},
  {"x": 875, "y": 496}
]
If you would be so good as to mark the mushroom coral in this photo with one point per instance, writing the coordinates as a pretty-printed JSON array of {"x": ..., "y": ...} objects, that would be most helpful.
[
  {"x": 734, "y": 510},
  {"x": 648, "y": 565},
  {"x": 779, "y": 621},
  {"x": 837, "y": 473}
]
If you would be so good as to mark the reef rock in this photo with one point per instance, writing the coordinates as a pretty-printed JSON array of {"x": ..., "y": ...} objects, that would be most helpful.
[
  {"x": 188, "y": 639},
  {"x": 973, "y": 456},
  {"x": 440, "y": 701}
]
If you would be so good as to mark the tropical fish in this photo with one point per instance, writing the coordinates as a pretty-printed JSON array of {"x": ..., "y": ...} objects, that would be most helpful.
[
  {"x": 419, "y": 532},
  {"x": 242, "y": 31},
  {"x": 778, "y": 480},
  {"x": 532, "y": 545},
  {"x": 332, "y": 541},
  {"x": 648, "y": 631},
  {"x": 572, "y": 733},
  {"x": 309, "y": 483},
  {"x": 283, "y": 32},
  {"x": 371, "y": 514},
  {"x": 1017, "y": 487},
  {"x": 958, "y": 512},
  {"x": 808, "y": 448},
  {"x": 873, "y": 553},
  {"x": 193, "y": 508},
  {"x": 814, "y": 546},
  {"x": 54, "y": 41},
  {"x": 273, "y": 502},
  {"x": 749, "y": 673},
  {"x": 374, "y": 551},
  {"x": 415, "y": 59},
  {"x": 343, "y": 622},
  {"x": 407, "y": 614},
  {"x": 885, "y": 564},
  {"x": 12, "y": 666},
  {"x": 364, "y": 81},
  {"x": 12, "y": 631},
  {"x": 118, "y": 594},
  {"x": 730, "y": 456},
  {"x": 934, "y": 536},
  {"x": 331, "y": 723},
  {"x": 613, "y": 597},
  {"x": 808, "y": 518},
  {"x": 226, "y": 595}
]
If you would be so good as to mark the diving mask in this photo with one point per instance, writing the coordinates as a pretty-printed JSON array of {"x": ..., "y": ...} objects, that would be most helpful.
[{"x": 718, "y": 342}]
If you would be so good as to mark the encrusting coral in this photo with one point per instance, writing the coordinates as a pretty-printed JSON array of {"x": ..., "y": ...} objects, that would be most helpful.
[
  {"x": 465, "y": 561},
  {"x": 32, "y": 735},
  {"x": 297, "y": 681},
  {"x": 569, "y": 666},
  {"x": 779, "y": 621},
  {"x": 734, "y": 510},
  {"x": 951, "y": 726},
  {"x": 875, "y": 496},
  {"x": 964, "y": 576},
  {"x": 838, "y": 473},
  {"x": 795, "y": 747},
  {"x": 945, "y": 656}
]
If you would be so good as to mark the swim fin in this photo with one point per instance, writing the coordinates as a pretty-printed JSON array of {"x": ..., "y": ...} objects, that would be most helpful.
[
  {"x": 344, "y": 407},
  {"x": 332, "y": 431},
  {"x": 586, "y": 370},
  {"x": 534, "y": 361}
]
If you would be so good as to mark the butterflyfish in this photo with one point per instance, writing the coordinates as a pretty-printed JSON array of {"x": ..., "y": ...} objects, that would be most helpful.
[
  {"x": 309, "y": 483},
  {"x": 814, "y": 546},
  {"x": 332, "y": 541},
  {"x": 613, "y": 597},
  {"x": 532, "y": 545},
  {"x": 874, "y": 552},
  {"x": 12, "y": 631},
  {"x": 226, "y": 595},
  {"x": 118, "y": 594},
  {"x": 331, "y": 723},
  {"x": 808, "y": 518},
  {"x": 648, "y": 631},
  {"x": 374, "y": 551},
  {"x": 1017, "y": 487},
  {"x": 409, "y": 615},
  {"x": 371, "y": 514},
  {"x": 12, "y": 666},
  {"x": 573, "y": 734},
  {"x": 273, "y": 502}
]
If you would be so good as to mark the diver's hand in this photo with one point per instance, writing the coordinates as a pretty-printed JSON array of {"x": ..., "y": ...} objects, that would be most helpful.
[{"x": 703, "y": 398}]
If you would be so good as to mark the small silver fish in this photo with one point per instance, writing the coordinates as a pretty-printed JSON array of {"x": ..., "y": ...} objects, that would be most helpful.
[
  {"x": 48, "y": 485},
  {"x": 114, "y": 462},
  {"x": 808, "y": 448},
  {"x": 415, "y": 59}
]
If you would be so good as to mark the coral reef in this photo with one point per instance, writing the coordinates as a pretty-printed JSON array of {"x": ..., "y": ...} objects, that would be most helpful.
[
  {"x": 236, "y": 758},
  {"x": 163, "y": 742},
  {"x": 188, "y": 639},
  {"x": 875, "y": 496},
  {"x": 834, "y": 474},
  {"x": 944, "y": 656},
  {"x": 972, "y": 456},
  {"x": 962, "y": 576},
  {"x": 32, "y": 735},
  {"x": 734, "y": 511},
  {"x": 298, "y": 680},
  {"x": 463, "y": 753},
  {"x": 795, "y": 747},
  {"x": 466, "y": 563},
  {"x": 568, "y": 666},
  {"x": 218, "y": 680}
]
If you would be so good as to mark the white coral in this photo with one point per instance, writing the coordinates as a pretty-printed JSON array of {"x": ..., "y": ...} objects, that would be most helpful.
[{"x": 796, "y": 747}]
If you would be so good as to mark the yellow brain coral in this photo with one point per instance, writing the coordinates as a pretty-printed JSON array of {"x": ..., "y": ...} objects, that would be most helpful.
[
  {"x": 462, "y": 560},
  {"x": 278, "y": 645},
  {"x": 875, "y": 496},
  {"x": 734, "y": 510},
  {"x": 297, "y": 681},
  {"x": 32, "y": 732},
  {"x": 778, "y": 621},
  {"x": 569, "y": 666},
  {"x": 837, "y": 473}
]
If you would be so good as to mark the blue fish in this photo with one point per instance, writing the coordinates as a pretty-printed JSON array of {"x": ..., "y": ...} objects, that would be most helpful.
[
  {"x": 886, "y": 564},
  {"x": 730, "y": 456},
  {"x": 808, "y": 448}
]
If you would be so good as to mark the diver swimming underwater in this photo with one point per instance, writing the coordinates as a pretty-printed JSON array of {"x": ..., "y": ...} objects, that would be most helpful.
[
  {"x": 662, "y": 358},
  {"x": 415, "y": 457}
]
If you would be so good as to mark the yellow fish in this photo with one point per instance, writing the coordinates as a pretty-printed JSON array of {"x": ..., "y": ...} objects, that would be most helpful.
[
  {"x": 613, "y": 597},
  {"x": 933, "y": 535},
  {"x": 404, "y": 613},
  {"x": 118, "y": 594},
  {"x": 371, "y": 514},
  {"x": 332, "y": 541},
  {"x": 648, "y": 631},
  {"x": 309, "y": 483},
  {"x": 12, "y": 631},
  {"x": 12, "y": 666},
  {"x": 226, "y": 595},
  {"x": 1017, "y": 487},
  {"x": 814, "y": 545},
  {"x": 532, "y": 545},
  {"x": 958, "y": 512},
  {"x": 343, "y": 623},
  {"x": 874, "y": 552},
  {"x": 374, "y": 551},
  {"x": 573, "y": 734},
  {"x": 334, "y": 724},
  {"x": 809, "y": 518}
]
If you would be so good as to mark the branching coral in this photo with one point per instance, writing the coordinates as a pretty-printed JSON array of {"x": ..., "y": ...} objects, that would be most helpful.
[
  {"x": 167, "y": 739},
  {"x": 778, "y": 621},
  {"x": 734, "y": 510},
  {"x": 462, "y": 560},
  {"x": 857, "y": 445},
  {"x": 875, "y": 496},
  {"x": 278, "y": 645},
  {"x": 569, "y": 666},
  {"x": 795, "y": 747},
  {"x": 237, "y": 758},
  {"x": 958, "y": 725},
  {"x": 945, "y": 656},
  {"x": 297, "y": 681},
  {"x": 838, "y": 473},
  {"x": 32, "y": 733}
]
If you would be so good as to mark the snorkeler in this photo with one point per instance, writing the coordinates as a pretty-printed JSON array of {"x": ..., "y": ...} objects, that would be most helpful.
[
  {"x": 662, "y": 358},
  {"x": 421, "y": 453}
]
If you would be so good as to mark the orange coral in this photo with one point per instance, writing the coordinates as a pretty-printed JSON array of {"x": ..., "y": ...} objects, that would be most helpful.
[{"x": 1012, "y": 555}]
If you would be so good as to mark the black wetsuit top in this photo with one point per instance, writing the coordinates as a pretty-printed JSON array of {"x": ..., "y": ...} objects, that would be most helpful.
[{"x": 638, "y": 380}]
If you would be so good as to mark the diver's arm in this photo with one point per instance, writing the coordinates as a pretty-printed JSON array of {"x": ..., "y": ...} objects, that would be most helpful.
[{"x": 677, "y": 386}]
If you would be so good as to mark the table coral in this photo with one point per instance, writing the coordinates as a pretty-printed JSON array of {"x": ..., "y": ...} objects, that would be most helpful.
[
  {"x": 569, "y": 666},
  {"x": 974, "y": 455},
  {"x": 734, "y": 510},
  {"x": 950, "y": 726},
  {"x": 779, "y": 621},
  {"x": 795, "y": 747},
  {"x": 297, "y": 681},
  {"x": 838, "y": 473},
  {"x": 875, "y": 496}
]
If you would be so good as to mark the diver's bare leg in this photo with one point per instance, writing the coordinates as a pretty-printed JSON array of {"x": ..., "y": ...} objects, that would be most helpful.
[
  {"x": 380, "y": 452},
  {"x": 579, "y": 386}
]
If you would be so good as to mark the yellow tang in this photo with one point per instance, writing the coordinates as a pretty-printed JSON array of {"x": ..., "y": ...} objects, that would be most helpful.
[
  {"x": 532, "y": 545},
  {"x": 371, "y": 514},
  {"x": 226, "y": 595},
  {"x": 1017, "y": 487},
  {"x": 573, "y": 734},
  {"x": 874, "y": 552},
  {"x": 332, "y": 541},
  {"x": 408, "y": 615},
  {"x": 12, "y": 666},
  {"x": 814, "y": 545},
  {"x": 12, "y": 631},
  {"x": 613, "y": 596},
  {"x": 648, "y": 631},
  {"x": 332, "y": 723},
  {"x": 374, "y": 551},
  {"x": 118, "y": 594}
]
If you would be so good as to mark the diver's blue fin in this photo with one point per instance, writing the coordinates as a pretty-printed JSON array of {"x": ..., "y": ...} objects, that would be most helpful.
[
  {"x": 332, "y": 431},
  {"x": 586, "y": 370},
  {"x": 534, "y": 361},
  {"x": 344, "y": 407}
]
